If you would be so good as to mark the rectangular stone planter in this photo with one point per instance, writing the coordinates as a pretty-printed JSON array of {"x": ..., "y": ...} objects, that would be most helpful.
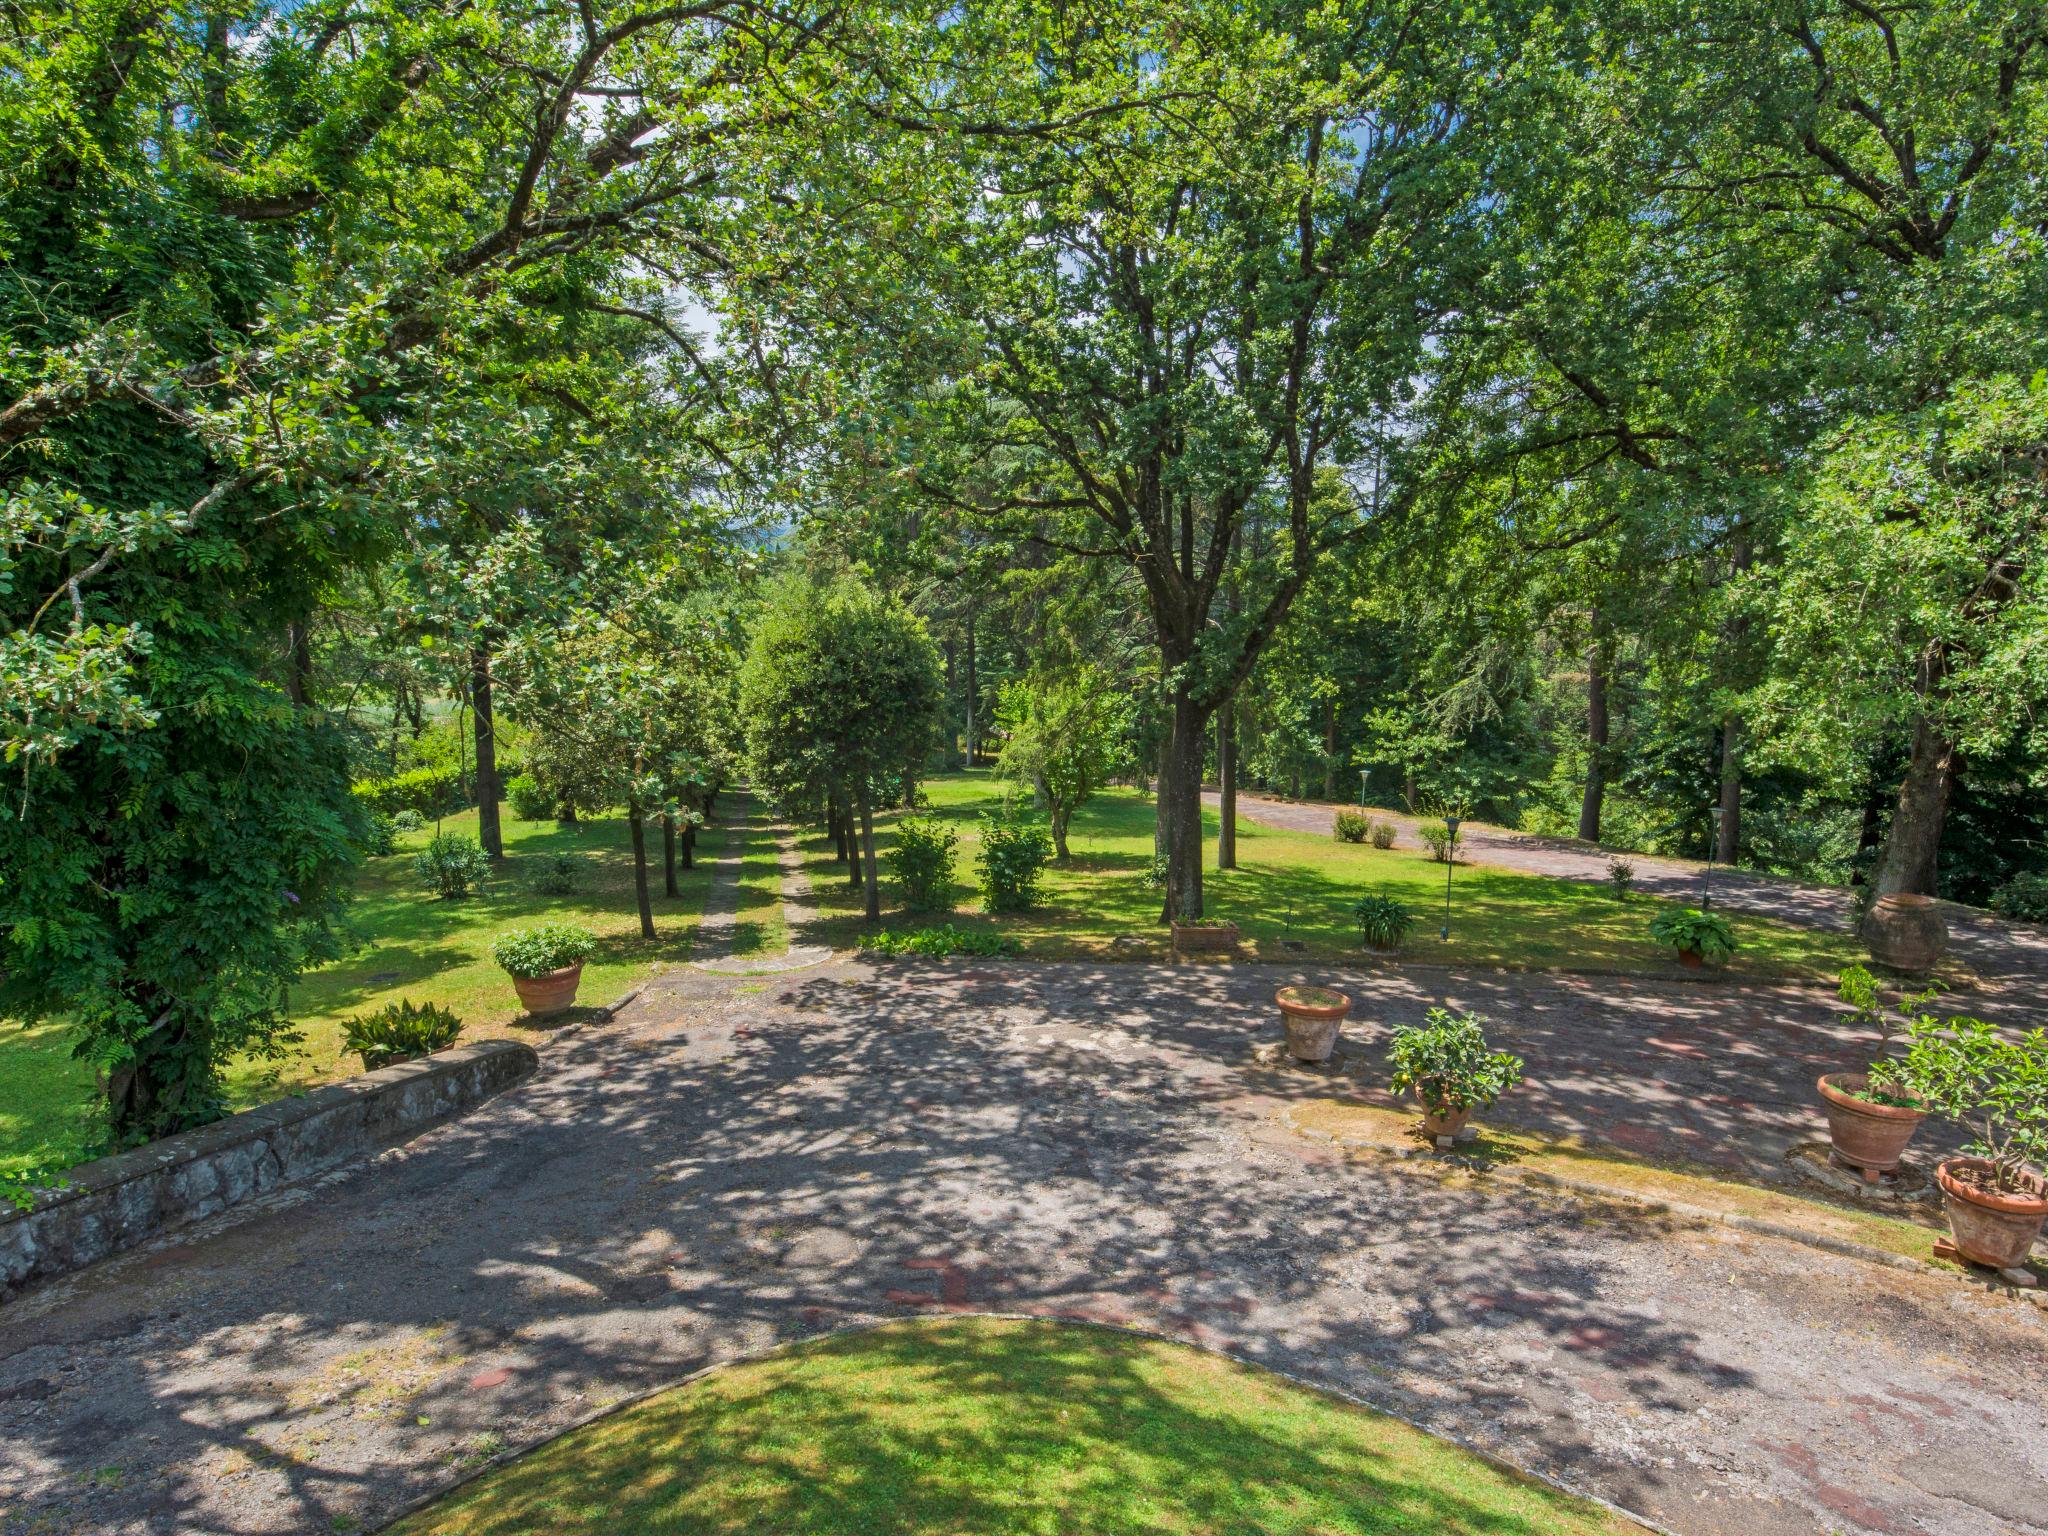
[
  {"x": 1196, "y": 938},
  {"x": 112, "y": 1204}
]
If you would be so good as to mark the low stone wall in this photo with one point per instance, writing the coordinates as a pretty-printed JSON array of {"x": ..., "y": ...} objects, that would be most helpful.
[{"x": 117, "y": 1202}]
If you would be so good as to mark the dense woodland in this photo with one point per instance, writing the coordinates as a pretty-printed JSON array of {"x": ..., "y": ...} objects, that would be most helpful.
[{"x": 1578, "y": 416}]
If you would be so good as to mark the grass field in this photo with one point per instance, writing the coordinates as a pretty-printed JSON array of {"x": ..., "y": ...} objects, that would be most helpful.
[
  {"x": 414, "y": 946},
  {"x": 1004, "y": 1429},
  {"x": 1293, "y": 885}
]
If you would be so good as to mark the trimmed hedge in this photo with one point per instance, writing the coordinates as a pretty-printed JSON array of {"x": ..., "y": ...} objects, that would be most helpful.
[{"x": 426, "y": 791}]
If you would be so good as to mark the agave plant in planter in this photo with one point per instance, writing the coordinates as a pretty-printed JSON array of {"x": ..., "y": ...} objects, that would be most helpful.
[
  {"x": 1997, "y": 1086},
  {"x": 1446, "y": 1063},
  {"x": 1699, "y": 937},
  {"x": 545, "y": 963},
  {"x": 1871, "y": 1114},
  {"x": 1383, "y": 922},
  {"x": 1312, "y": 1017}
]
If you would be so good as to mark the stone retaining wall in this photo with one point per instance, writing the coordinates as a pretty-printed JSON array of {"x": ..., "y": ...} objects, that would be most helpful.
[{"x": 117, "y": 1202}]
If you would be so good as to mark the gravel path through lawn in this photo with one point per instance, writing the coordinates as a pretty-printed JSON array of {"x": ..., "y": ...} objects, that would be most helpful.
[
  {"x": 2012, "y": 958},
  {"x": 738, "y": 1161}
]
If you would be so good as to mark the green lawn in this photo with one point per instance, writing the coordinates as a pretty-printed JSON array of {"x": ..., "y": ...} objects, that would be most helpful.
[
  {"x": 1003, "y": 1429},
  {"x": 414, "y": 946},
  {"x": 1292, "y": 885}
]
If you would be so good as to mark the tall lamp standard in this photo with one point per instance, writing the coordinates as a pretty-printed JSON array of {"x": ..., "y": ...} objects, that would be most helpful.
[
  {"x": 1363, "y": 775},
  {"x": 1713, "y": 842},
  {"x": 1450, "y": 863}
]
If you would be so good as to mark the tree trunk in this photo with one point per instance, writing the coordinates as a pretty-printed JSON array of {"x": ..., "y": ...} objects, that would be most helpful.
[
  {"x": 1180, "y": 809},
  {"x": 1730, "y": 842},
  {"x": 1226, "y": 783},
  {"x": 299, "y": 663},
  {"x": 973, "y": 689},
  {"x": 689, "y": 846},
  {"x": 635, "y": 821},
  {"x": 1408, "y": 787},
  {"x": 873, "y": 909},
  {"x": 146, "y": 1094},
  {"x": 488, "y": 832},
  {"x": 835, "y": 826},
  {"x": 1059, "y": 815},
  {"x": 1595, "y": 797},
  {"x": 668, "y": 856},
  {"x": 1330, "y": 748},
  {"x": 1910, "y": 862}
]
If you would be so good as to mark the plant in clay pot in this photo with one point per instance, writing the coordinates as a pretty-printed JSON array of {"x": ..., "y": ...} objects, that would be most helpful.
[
  {"x": 1699, "y": 937},
  {"x": 1447, "y": 1064},
  {"x": 1871, "y": 1114},
  {"x": 1997, "y": 1086},
  {"x": 545, "y": 963},
  {"x": 1312, "y": 1016}
]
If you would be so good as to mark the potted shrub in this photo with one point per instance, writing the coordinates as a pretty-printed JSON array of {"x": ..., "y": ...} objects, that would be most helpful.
[
  {"x": 545, "y": 963},
  {"x": 1997, "y": 1087},
  {"x": 1871, "y": 1115},
  {"x": 1312, "y": 1016},
  {"x": 1447, "y": 1064},
  {"x": 1698, "y": 936},
  {"x": 1383, "y": 922}
]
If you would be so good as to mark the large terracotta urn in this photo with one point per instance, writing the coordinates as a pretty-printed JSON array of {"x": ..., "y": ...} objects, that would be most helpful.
[{"x": 1906, "y": 932}]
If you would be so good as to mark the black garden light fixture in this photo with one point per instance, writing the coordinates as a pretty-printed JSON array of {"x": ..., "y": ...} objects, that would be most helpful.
[{"x": 1450, "y": 863}]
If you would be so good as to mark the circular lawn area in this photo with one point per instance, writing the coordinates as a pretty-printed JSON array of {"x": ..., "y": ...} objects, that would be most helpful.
[{"x": 991, "y": 1427}]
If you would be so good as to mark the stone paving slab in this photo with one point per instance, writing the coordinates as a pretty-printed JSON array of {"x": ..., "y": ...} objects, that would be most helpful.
[{"x": 736, "y": 1163}]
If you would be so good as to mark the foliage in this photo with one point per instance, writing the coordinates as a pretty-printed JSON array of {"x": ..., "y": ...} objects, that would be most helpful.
[
  {"x": 530, "y": 801},
  {"x": 1383, "y": 835},
  {"x": 399, "y": 1031},
  {"x": 1011, "y": 862},
  {"x": 922, "y": 863},
  {"x": 554, "y": 874},
  {"x": 1438, "y": 839},
  {"x": 408, "y": 821},
  {"x": 2024, "y": 897},
  {"x": 1066, "y": 737},
  {"x": 1868, "y": 1011},
  {"x": 425, "y": 792},
  {"x": 1692, "y": 931},
  {"x": 1621, "y": 878},
  {"x": 937, "y": 943},
  {"x": 1352, "y": 826},
  {"x": 1383, "y": 921},
  {"x": 546, "y": 947},
  {"x": 450, "y": 865},
  {"x": 1969, "y": 1071},
  {"x": 1448, "y": 1065},
  {"x": 380, "y": 835}
]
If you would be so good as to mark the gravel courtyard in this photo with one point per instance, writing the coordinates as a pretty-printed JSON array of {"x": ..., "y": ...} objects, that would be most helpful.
[{"x": 737, "y": 1161}]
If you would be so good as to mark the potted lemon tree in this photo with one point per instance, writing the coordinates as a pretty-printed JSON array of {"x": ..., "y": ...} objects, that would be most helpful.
[
  {"x": 1446, "y": 1062},
  {"x": 545, "y": 963},
  {"x": 1871, "y": 1114}
]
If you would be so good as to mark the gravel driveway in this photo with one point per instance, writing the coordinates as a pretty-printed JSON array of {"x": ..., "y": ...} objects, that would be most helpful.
[{"x": 738, "y": 1161}]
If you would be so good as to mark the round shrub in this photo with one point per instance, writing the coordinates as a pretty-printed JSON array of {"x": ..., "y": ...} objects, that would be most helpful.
[
  {"x": 379, "y": 835},
  {"x": 555, "y": 874},
  {"x": 1383, "y": 834},
  {"x": 1689, "y": 930},
  {"x": 408, "y": 821},
  {"x": 1011, "y": 862},
  {"x": 922, "y": 863},
  {"x": 530, "y": 952},
  {"x": 451, "y": 865},
  {"x": 1383, "y": 922},
  {"x": 529, "y": 801},
  {"x": 1353, "y": 826}
]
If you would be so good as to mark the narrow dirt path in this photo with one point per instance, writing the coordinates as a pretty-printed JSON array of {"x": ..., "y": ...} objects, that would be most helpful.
[
  {"x": 734, "y": 1163},
  {"x": 2012, "y": 956},
  {"x": 724, "y": 945}
]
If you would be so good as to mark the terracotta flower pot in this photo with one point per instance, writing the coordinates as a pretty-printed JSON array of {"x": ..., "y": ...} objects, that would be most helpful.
[
  {"x": 1444, "y": 1122},
  {"x": 1906, "y": 932},
  {"x": 550, "y": 992},
  {"x": 1692, "y": 959},
  {"x": 1312, "y": 1021},
  {"x": 1189, "y": 938},
  {"x": 1868, "y": 1136},
  {"x": 1990, "y": 1226}
]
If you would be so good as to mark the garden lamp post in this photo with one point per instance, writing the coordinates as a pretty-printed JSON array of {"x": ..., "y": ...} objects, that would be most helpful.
[
  {"x": 1363, "y": 774},
  {"x": 1713, "y": 842},
  {"x": 1450, "y": 863}
]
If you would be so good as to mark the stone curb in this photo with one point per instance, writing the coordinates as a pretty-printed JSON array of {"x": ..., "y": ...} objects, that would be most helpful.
[
  {"x": 113, "y": 1204},
  {"x": 526, "y": 1447},
  {"x": 1842, "y": 1247}
]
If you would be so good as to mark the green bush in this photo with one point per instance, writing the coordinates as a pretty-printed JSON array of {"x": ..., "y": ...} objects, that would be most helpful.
[
  {"x": 1689, "y": 930},
  {"x": 426, "y": 791},
  {"x": 1011, "y": 862},
  {"x": 1446, "y": 1063},
  {"x": 451, "y": 864},
  {"x": 1353, "y": 826},
  {"x": 530, "y": 952},
  {"x": 408, "y": 821},
  {"x": 1383, "y": 922},
  {"x": 2024, "y": 897},
  {"x": 1437, "y": 838},
  {"x": 1383, "y": 834},
  {"x": 1969, "y": 1071},
  {"x": 939, "y": 942},
  {"x": 555, "y": 874},
  {"x": 1621, "y": 878},
  {"x": 398, "y": 1032},
  {"x": 922, "y": 863},
  {"x": 529, "y": 801},
  {"x": 379, "y": 835}
]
